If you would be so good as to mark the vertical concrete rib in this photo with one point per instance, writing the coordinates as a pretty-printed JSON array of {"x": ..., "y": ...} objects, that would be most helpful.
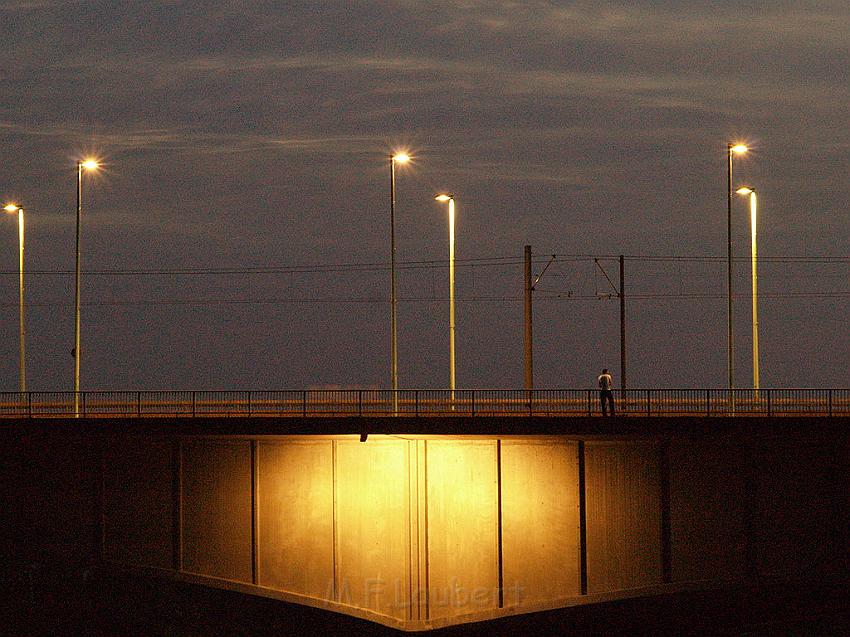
[
  {"x": 421, "y": 533},
  {"x": 582, "y": 516},
  {"x": 412, "y": 549},
  {"x": 425, "y": 528},
  {"x": 255, "y": 514},
  {"x": 499, "y": 523},
  {"x": 666, "y": 532},
  {"x": 335, "y": 592},
  {"x": 100, "y": 537},
  {"x": 418, "y": 537},
  {"x": 177, "y": 504}
]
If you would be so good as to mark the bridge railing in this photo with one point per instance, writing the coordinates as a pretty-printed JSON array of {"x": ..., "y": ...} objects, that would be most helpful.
[{"x": 426, "y": 402}]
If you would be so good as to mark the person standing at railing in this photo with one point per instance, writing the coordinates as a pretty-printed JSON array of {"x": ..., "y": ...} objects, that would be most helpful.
[{"x": 606, "y": 394}]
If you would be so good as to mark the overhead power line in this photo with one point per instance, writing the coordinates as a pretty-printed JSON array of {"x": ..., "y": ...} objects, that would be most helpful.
[
  {"x": 295, "y": 269},
  {"x": 424, "y": 264},
  {"x": 432, "y": 299}
]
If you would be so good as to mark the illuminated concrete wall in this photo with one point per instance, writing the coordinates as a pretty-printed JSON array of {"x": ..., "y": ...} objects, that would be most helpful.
[
  {"x": 295, "y": 517},
  {"x": 372, "y": 514},
  {"x": 540, "y": 521},
  {"x": 462, "y": 527},
  {"x": 418, "y": 531}
]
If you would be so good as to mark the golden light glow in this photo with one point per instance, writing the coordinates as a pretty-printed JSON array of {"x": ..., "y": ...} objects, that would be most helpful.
[
  {"x": 11, "y": 207},
  {"x": 739, "y": 149},
  {"x": 443, "y": 198},
  {"x": 401, "y": 158},
  {"x": 90, "y": 164},
  {"x": 745, "y": 190}
]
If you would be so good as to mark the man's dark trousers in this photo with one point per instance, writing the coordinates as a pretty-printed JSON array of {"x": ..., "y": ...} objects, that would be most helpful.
[{"x": 606, "y": 395}]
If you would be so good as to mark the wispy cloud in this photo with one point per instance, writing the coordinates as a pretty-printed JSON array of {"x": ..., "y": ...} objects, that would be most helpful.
[
  {"x": 193, "y": 141},
  {"x": 653, "y": 23}
]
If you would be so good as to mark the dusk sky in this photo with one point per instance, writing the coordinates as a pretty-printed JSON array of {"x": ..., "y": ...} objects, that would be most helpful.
[{"x": 238, "y": 234}]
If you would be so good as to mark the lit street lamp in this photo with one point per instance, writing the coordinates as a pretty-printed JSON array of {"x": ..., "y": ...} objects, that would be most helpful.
[
  {"x": 12, "y": 208},
  {"x": 88, "y": 165},
  {"x": 731, "y": 151},
  {"x": 400, "y": 158},
  {"x": 753, "y": 217},
  {"x": 451, "y": 201}
]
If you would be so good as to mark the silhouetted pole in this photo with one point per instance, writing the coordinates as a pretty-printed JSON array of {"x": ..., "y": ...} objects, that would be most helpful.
[
  {"x": 444, "y": 198},
  {"x": 753, "y": 215},
  {"x": 622, "y": 324},
  {"x": 746, "y": 190},
  {"x": 393, "y": 308},
  {"x": 13, "y": 208},
  {"x": 400, "y": 158},
  {"x": 22, "y": 336},
  {"x": 77, "y": 293},
  {"x": 88, "y": 165},
  {"x": 529, "y": 366},
  {"x": 731, "y": 150},
  {"x": 730, "y": 357}
]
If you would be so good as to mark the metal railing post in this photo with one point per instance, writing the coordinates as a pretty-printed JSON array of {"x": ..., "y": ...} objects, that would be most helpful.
[
  {"x": 304, "y": 403},
  {"x": 193, "y": 403},
  {"x": 359, "y": 402},
  {"x": 83, "y": 403},
  {"x": 416, "y": 402},
  {"x": 589, "y": 407},
  {"x": 138, "y": 404},
  {"x": 29, "y": 404},
  {"x": 472, "y": 400},
  {"x": 769, "y": 410},
  {"x": 708, "y": 402},
  {"x": 249, "y": 403},
  {"x": 829, "y": 397},
  {"x": 648, "y": 403}
]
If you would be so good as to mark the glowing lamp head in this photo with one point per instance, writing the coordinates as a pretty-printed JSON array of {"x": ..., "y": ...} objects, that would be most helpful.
[
  {"x": 745, "y": 190},
  {"x": 90, "y": 164},
  {"x": 11, "y": 207},
  {"x": 738, "y": 149},
  {"x": 401, "y": 158},
  {"x": 443, "y": 198}
]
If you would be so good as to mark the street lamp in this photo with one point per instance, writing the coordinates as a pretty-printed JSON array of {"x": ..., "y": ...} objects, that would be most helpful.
[
  {"x": 88, "y": 165},
  {"x": 745, "y": 190},
  {"x": 400, "y": 158},
  {"x": 451, "y": 201},
  {"x": 731, "y": 151},
  {"x": 12, "y": 208}
]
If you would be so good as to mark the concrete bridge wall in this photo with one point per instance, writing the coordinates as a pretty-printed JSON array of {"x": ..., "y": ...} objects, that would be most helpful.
[{"x": 418, "y": 530}]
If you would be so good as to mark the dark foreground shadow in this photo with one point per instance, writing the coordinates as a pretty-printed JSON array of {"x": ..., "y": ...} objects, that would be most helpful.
[{"x": 80, "y": 600}]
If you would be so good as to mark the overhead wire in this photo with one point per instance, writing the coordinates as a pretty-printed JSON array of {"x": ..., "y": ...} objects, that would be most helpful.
[
  {"x": 423, "y": 264},
  {"x": 476, "y": 262},
  {"x": 432, "y": 299}
]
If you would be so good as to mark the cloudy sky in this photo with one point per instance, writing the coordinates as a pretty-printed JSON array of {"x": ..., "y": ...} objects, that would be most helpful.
[{"x": 238, "y": 236}]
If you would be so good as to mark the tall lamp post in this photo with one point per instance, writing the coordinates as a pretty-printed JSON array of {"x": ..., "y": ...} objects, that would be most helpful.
[
  {"x": 451, "y": 201},
  {"x": 745, "y": 190},
  {"x": 731, "y": 151},
  {"x": 12, "y": 208},
  {"x": 397, "y": 158},
  {"x": 87, "y": 165}
]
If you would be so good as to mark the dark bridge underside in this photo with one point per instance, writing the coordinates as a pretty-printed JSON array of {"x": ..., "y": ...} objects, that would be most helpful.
[
  {"x": 573, "y": 426},
  {"x": 753, "y": 499}
]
